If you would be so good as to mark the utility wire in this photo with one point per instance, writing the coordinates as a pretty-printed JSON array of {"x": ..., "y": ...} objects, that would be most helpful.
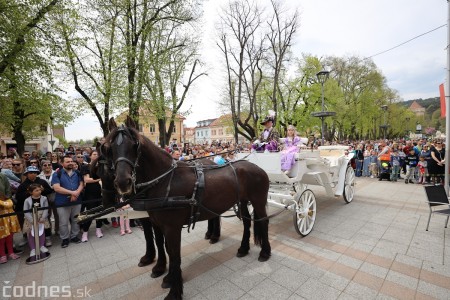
[{"x": 406, "y": 41}]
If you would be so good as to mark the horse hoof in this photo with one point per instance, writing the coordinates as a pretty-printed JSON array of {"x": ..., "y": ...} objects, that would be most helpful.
[
  {"x": 145, "y": 261},
  {"x": 207, "y": 236},
  {"x": 172, "y": 297},
  {"x": 156, "y": 274},
  {"x": 240, "y": 254},
  {"x": 263, "y": 257},
  {"x": 165, "y": 285},
  {"x": 213, "y": 240}
]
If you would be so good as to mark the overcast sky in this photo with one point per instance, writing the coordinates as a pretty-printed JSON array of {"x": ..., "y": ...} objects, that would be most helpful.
[{"x": 340, "y": 28}]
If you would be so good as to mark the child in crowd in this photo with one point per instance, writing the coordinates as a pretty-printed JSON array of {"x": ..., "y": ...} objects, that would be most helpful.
[
  {"x": 411, "y": 161},
  {"x": 8, "y": 226},
  {"x": 35, "y": 191},
  {"x": 423, "y": 172},
  {"x": 124, "y": 221},
  {"x": 373, "y": 167},
  {"x": 395, "y": 163},
  {"x": 366, "y": 163}
]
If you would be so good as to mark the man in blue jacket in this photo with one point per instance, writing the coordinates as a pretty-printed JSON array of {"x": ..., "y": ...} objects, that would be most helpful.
[{"x": 68, "y": 185}]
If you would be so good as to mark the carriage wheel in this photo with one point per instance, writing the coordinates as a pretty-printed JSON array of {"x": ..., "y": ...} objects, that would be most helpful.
[
  {"x": 305, "y": 213},
  {"x": 349, "y": 184}
]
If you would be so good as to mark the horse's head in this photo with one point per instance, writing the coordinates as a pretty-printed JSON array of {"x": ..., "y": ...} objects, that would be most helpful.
[{"x": 122, "y": 151}]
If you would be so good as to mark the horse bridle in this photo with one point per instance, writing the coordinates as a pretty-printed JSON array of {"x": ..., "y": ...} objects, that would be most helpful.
[{"x": 122, "y": 130}]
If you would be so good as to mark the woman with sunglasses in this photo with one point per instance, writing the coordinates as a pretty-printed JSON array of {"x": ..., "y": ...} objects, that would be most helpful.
[{"x": 55, "y": 161}]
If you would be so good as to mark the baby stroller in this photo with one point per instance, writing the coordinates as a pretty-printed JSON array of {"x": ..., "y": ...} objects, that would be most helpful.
[{"x": 385, "y": 171}]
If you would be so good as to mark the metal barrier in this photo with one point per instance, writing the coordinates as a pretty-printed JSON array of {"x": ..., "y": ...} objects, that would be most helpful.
[{"x": 39, "y": 256}]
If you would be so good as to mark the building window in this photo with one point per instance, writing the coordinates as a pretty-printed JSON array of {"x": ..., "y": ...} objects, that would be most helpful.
[
  {"x": 43, "y": 127},
  {"x": 220, "y": 131},
  {"x": 174, "y": 128},
  {"x": 141, "y": 128},
  {"x": 152, "y": 128},
  {"x": 213, "y": 132}
]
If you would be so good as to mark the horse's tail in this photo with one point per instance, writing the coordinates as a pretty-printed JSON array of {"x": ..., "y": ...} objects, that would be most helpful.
[{"x": 258, "y": 229}]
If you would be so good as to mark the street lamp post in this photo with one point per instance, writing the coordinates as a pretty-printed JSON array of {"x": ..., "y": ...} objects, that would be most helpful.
[
  {"x": 52, "y": 142},
  {"x": 385, "y": 126},
  {"x": 322, "y": 76},
  {"x": 407, "y": 126}
]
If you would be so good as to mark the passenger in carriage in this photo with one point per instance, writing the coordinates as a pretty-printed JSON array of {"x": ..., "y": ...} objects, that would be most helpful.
[
  {"x": 269, "y": 138},
  {"x": 291, "y": 146}
]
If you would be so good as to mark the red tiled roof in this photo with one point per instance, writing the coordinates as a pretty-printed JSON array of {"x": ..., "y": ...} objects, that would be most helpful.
[{"x": 415, "y": 106}]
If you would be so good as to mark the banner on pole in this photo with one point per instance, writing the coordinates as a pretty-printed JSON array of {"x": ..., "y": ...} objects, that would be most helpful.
[{"x": 442, "y": 98}]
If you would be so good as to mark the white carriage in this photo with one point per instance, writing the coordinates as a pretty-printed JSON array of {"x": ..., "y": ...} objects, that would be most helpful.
[{"x": 328, "y": 167}]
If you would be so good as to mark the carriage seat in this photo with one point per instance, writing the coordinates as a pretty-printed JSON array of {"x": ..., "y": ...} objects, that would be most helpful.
[
  {"x": 334, "y": 157},
  {"x": 271, "y": 163}
]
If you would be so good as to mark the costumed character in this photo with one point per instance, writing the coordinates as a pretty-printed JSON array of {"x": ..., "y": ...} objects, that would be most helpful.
[
  {"x": 292, "y": 144},
  {"x": 269, "y": 138}
]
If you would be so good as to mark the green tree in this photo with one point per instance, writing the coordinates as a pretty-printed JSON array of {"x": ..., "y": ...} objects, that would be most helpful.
[
  {"x": 18, "y": 21},
  {"x": 29, "y": 97},
  {"x": 171, "y": 69}
]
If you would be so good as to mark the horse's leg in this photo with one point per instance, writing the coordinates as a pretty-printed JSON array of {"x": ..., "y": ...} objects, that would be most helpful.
[
  {"x": 160, "y": 267},
  {"x": 261, "y": 231},
  {"x": 215, "y": 230},
  {"x": 261, "y": 234},
  {"x": 173, "y": 241},
  {"x": 246, "y": 220},
  {"x": 209, "y": 230},
  {"x": 150, "y": 251}
]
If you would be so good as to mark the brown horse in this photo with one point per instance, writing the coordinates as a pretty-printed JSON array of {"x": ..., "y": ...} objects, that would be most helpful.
[{"x": 178, "y": 194}]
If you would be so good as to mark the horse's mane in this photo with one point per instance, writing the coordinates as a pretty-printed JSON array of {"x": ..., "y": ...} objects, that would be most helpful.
[{"x": 143, "y": 140}]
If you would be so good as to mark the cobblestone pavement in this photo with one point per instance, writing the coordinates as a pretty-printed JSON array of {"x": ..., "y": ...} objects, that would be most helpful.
[{"x": 373, "y": 248}]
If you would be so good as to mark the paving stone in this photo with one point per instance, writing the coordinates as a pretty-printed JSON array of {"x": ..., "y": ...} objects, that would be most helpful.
[
  {"x": 408, "y": 260},
  {"x": 360, "y": 292},
  {"x": 374, "y": 270},
  {"x": 433, "y": 290},
  {"x": 402, "y": 279},
  {"x": 437, "y": 268},
  {"x": 431, "y": 255},
  {"x": 313, "y": 289},
  {"x": 288, "y": 278},
  {"x": 267, "y": 289},
  {"x": 225, "y": 289},
  {"x": 335, "y": 281},
  {"x": 246, "y": 279},
  {"x": 350, "y": 262}
]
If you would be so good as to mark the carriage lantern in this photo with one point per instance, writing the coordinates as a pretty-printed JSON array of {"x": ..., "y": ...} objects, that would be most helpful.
[{"x": 322, "y": 76}]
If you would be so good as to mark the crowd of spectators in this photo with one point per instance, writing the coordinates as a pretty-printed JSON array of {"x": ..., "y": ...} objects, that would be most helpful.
[{"x": 418, "y": 161}]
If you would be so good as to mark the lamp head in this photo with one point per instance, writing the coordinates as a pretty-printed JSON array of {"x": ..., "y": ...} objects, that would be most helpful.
[{"x": 322, "y": 76}]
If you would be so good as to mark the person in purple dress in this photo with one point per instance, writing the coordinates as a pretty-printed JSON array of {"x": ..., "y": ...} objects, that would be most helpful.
[{"x": 291, "y": 146}]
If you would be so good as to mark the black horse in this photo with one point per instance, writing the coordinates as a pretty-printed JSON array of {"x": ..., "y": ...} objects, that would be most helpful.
[
  {"x": 110, "y": 198},
  {"x": 178, "y": 194}
]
